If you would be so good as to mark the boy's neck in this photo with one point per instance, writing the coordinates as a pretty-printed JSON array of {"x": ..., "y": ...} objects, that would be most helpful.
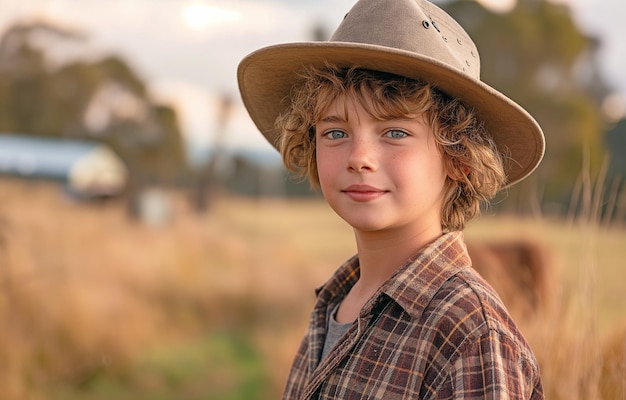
[{"x": 382, "y": 253}]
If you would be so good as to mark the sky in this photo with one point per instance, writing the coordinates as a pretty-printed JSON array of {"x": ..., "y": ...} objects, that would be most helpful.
[{"x": 188, "y": 50}]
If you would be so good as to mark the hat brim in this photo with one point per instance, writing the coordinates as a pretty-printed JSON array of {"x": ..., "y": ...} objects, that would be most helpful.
[{"x": 266, "y": 78}]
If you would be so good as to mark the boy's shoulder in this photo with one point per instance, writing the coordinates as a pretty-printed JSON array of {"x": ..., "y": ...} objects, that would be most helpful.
[{"x": 466, "y": 308}]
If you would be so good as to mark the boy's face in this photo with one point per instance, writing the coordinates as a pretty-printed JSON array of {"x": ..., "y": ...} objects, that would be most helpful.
[{"x": 379, "y": 175}]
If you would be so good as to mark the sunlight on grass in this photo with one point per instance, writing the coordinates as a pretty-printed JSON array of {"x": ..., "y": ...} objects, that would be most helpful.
[{"x": 213, "y": 305}]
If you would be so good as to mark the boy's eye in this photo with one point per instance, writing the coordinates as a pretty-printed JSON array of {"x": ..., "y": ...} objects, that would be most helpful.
[
  {"x": 396, "y": 134},
  {"x": 335, "y": 134}
]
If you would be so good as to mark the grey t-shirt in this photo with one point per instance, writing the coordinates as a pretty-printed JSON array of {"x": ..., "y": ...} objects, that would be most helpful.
[{"x": 334, "y": 332}]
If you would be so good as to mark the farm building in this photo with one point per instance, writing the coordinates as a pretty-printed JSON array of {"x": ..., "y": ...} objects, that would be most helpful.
[{"x": 88, "y": 169}]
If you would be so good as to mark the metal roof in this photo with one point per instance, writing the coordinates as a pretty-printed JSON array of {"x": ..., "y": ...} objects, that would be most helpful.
[{"x": 28, "y": 155}]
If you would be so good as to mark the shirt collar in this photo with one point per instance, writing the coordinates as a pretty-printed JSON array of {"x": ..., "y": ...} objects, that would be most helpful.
[
  {"x": 415, "y": 283},
  {"x": 341, "y": 282}
]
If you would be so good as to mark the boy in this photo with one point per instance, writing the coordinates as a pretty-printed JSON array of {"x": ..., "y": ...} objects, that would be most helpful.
[{"x": 390, "y": 119}]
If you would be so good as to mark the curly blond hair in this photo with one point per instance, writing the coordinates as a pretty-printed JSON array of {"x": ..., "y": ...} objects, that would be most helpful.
[{"x": 472, "y": 161}]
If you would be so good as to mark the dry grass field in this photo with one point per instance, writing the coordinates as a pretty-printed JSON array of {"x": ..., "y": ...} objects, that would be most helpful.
[{"x": 94, "y": 305}]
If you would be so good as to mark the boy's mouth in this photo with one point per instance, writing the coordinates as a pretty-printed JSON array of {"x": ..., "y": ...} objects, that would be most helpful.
[{"x": 363, "y": 193}]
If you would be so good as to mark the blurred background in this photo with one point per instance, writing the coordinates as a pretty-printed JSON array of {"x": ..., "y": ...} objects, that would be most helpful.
[{"x": 153, "y": 247}]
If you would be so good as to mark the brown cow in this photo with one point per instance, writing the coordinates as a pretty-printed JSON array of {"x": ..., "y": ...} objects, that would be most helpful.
[{"x": 521, "y": 271}]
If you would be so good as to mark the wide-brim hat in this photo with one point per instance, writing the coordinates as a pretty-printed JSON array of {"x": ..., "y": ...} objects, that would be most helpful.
[{"x": 410, "y": 38}]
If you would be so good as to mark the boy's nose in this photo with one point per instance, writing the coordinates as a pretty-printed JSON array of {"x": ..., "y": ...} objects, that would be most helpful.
[{"x": 362, "y": 156}]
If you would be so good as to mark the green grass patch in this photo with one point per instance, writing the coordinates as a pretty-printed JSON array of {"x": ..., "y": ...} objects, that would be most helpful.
[{"x": 219, "y": 366}]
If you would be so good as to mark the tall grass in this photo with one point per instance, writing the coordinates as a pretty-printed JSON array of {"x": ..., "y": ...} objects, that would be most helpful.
[{"x": 94, "y": 305}]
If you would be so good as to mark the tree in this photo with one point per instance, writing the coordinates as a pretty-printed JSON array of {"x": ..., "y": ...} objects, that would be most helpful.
[
  {"x": 537, "y": 55},
  {"x": 101, "y": 100}
]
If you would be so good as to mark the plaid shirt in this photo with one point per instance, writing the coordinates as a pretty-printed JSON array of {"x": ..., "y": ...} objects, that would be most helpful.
[{"x": 435, "y": 330}]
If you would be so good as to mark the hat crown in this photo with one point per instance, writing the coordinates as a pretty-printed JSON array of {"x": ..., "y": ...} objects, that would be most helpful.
[{"x": 413, "y": 26}]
